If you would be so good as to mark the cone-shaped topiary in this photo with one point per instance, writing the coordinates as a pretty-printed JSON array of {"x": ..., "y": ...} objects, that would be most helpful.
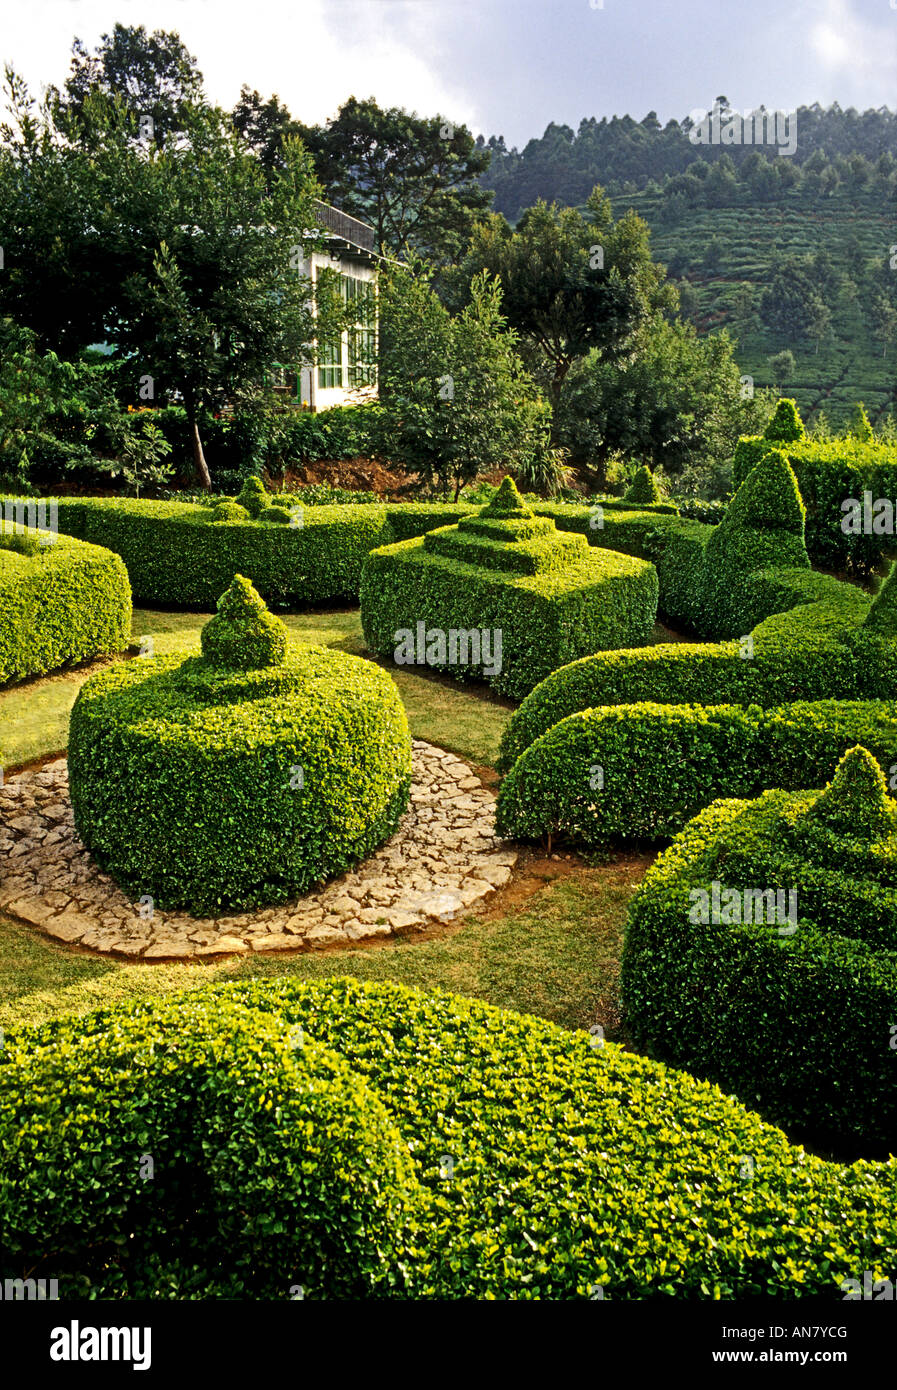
[
  {"x": 243, "y": 633},
  {"x": 786, "y": 425},
  {"x": 253, "y": 497},
  {"x": 882, "y": 615},
  {"x": 856, "y": 799},
  {"x": 860, "y": 428},
  {"x": 507, "y": 502},
  {"x": 643, "y": 487},
  {"x": 769, "y": 498}
]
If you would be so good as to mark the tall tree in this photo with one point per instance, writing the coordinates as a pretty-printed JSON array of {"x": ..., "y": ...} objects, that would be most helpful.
[
  {"x": 572, "y": 283},
  {"x": 415, "y": 179},
  {"x": 153, "y": 74}
]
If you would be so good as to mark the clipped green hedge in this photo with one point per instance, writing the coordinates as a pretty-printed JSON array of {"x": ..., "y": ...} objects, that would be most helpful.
[
  {"x": 508, "y": 573},
  {"x": 828, "y": 473},
  {"x": 241, "y": 777},
  {"x": 197, "y": 1148},
  {"x": 814, "y": 646},
  {"x": 557, "y": 1170},
  {"x": 641, "y": 771},
  {"x": 60, "y": 601},
  {"x": 794, "y": 1015},
  {"x": 186, "y": 553}
]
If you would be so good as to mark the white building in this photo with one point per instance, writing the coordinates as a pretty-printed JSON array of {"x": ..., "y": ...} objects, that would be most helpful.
[{"x": 345, "y": 372}]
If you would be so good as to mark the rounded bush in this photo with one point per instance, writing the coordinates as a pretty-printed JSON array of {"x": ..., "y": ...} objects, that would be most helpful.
[
  {"x": 229, "y": 511},
  {"x": 761, "y": 954},
  {"x": 240, "y": 777},
  {"x": 198, "y": 1147},
  {"x": 60, "y": 601},
  {"x": 544, "y": 1167},
  {"x": 275, "y": 516}
]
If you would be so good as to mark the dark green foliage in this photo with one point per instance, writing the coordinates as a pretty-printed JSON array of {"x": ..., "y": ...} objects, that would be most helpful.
[
  {"x": 643, "y": 488},
  {"x": 574, "y": 1168},
  {"x": 274, "y": 1164},
  {"x": 882, "y": 615},
  {"x": 785, "y": 426},
  {"x": 660, "y": 764},
  {"x": 548, "y": 596},
  {"x": 275, "y": 516},
  {"x": 795, "y": 1019},
  {"x": 243, "y": 634},
  {"x": 216, "y": 787},
  {"x": 59, "y": 602}
]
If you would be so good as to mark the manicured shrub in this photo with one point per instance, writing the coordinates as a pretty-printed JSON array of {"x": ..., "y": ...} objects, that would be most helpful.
[
  {"x": 792, "y": 1012},
  {"x": 241, "y": 777},
  {"x": 275, "y": 516},
  {"x": 229, "y": 511},
  {"x": 636, "y": 771},
  {"x": 556, "y": 1171},
  {"x": 195, "y": 1147},
  {"x": 60, "y": 601},
  {"x": 813, "y": 646},
  {"x": 253, "y": 496},
  {"x": 763, "y": 527},
  {"x": 832, "y": 474},
  {"x": 643, "y": 488},
  {"x": 785, "y": 425},
  {"x": 542, "y": 594}
]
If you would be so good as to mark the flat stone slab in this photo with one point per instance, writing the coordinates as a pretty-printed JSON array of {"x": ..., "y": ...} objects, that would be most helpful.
[{"x": 443, "y": 859}]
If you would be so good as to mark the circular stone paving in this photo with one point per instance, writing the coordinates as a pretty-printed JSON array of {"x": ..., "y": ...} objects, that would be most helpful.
[{"x": 443, "y": 858}]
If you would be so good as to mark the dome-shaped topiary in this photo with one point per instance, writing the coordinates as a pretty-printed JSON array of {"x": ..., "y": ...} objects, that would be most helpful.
[
  {"x": 643, "y": 488},
  {"x": 274, "y": 1163},
  {"x": 785, "y": 426},
  {"x": 243, "y": 633},
  {"x": 275, "y": 515},
  {"x": 253, "y": 497},
  {"x": 229, "y": 511}
]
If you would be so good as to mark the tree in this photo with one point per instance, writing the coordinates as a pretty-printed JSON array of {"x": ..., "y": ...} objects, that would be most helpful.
[
  {"x": 415, "y": 179},
  {"x": 265, "y": 125},
  {"x": 782, "y": 366},
  {"x": 571, "y": 284},
  {"x": 153, "y": 74},
  {"x": 457, "y": 400},
  {"x": 676, "y": 401},
  {"x": 194, "y": 260}
]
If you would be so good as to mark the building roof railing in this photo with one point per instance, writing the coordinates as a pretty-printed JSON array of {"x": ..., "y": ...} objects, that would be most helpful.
[{"x": 348, "y": 229}]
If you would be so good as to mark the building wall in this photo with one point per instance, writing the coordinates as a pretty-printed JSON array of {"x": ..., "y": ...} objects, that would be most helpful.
[{"x": 313, "y": 392}]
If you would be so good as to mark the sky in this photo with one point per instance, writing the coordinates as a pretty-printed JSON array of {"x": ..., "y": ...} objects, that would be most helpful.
[{"x": 504, "y": 67}]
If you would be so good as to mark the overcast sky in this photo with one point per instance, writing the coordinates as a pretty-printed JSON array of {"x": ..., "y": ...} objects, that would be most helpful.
[{"x": 502, "y": 66}]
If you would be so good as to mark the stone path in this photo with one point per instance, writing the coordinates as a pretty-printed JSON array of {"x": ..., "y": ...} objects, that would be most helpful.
[{"x": 443, "y": 858}]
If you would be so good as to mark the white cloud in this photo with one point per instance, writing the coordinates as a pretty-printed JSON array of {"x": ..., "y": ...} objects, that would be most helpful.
[
  {"x": 851, "y": 47},
  {"x": 313, "y": 53}
]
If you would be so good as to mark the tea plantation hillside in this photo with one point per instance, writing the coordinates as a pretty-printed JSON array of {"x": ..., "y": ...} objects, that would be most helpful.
[{"x": 720, "y": 251}]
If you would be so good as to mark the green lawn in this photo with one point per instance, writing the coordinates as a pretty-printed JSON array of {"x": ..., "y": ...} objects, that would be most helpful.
[
  {"x": 556, "y": 954},
  {"x": 34, "y": 716}
]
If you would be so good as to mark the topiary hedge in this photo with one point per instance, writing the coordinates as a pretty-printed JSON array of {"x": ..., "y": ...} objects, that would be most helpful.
[
  {"x": 829, "y": 473},
  {"x": 185, "y": 553},
  {"x": 60, "y": 601},
  {"x": 538, "y": 596},
  {"x": 816, "y": 646},
  {"x": 241, "y": 777},
  {"x": 789, "y": 1003},
  {"x": 643, "y": 770},
  {"x": 557, "y": 1170}
]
